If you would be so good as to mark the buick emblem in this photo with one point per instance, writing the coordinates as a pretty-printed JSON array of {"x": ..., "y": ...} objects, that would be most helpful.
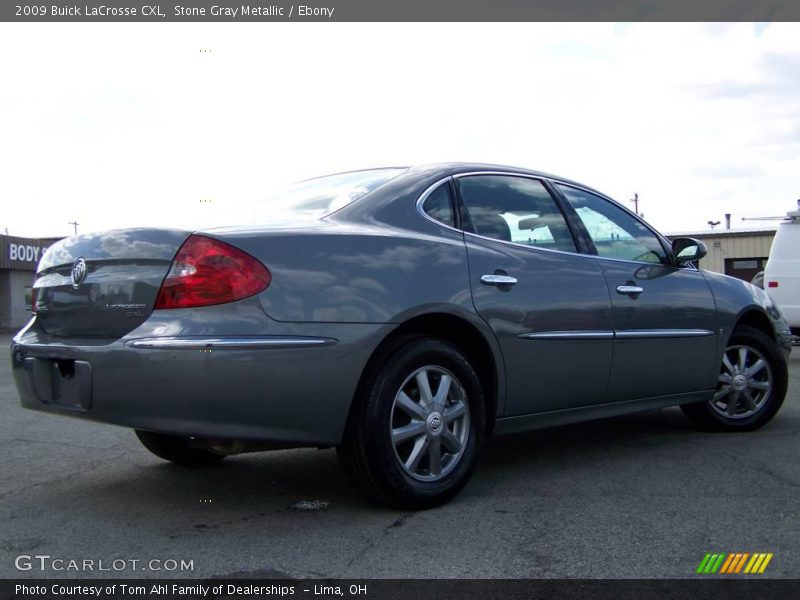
[
  {"x": 434, "y": 422},
  {"x": 78, "y": 272}
]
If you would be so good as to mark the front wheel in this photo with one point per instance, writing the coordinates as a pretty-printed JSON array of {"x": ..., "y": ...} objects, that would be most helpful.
[
  {"x": 751, "y": 386},
  {"x": 177, "y": 449},
  {"x": 414, "y": 432}
]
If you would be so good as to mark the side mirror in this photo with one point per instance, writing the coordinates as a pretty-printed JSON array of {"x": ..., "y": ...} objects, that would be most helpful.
[{"x": 688, "y": 250}]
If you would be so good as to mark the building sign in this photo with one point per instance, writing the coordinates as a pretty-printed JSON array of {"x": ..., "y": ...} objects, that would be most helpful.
[{"x": 22, "y": 254}]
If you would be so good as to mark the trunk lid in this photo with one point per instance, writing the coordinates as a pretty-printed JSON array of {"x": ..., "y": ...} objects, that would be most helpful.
[{"x": 103, "y": 284}]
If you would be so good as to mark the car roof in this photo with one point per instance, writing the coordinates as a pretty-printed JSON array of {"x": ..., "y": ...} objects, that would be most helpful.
[
  {"x": 454, "y": 168},
  {"x": 445, "y": 169}
]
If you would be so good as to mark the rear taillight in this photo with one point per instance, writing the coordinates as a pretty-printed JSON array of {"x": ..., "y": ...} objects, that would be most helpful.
[
  {"x": 772, "y": 284},
  {"x": 206, "y": 271}
]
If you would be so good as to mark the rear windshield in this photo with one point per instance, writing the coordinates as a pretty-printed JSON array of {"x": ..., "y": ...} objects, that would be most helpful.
[{"x": 316, "y": 198}]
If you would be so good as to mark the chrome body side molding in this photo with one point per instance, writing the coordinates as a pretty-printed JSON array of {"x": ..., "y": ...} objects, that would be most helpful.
[
  {"x": 633, "y": 334},
  {"x": 568, "y": 335},
  {"x": 254, "y": 343},
  {"x": 628, "y": 334}
]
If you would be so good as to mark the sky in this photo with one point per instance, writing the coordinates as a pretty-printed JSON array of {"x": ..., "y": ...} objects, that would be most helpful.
[{"x": 174, "y": 124}]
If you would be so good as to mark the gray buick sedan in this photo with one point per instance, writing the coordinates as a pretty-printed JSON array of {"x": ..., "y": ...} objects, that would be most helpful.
[{"x": 401, "y": 315}]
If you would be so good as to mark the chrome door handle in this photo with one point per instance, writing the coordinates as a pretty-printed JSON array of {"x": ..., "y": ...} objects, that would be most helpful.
[
  {"x": 629, "y": 290},
  {"x": 498, "y": 280}
]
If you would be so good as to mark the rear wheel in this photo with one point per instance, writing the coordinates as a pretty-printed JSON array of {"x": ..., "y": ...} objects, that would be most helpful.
[
  {"x": 751, "y": 385},
  {"x": 414, "y": 431},
  {"x": 177, "y": 449}
]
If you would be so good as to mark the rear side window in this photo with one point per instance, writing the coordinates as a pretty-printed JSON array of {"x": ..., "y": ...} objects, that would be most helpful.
[
  {"x": 305, "y": 200},
  {"x": 515, "y": 209},
  {"x": 615, "y": 233},
  {"x": 439, "y": 205}
]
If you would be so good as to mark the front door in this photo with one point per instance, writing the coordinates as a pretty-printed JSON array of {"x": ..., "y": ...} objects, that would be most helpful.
[{"x": 664, "y": 316}]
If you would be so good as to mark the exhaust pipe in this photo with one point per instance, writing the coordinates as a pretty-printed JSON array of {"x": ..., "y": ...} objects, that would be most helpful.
[{"x": 231, "y": 447}]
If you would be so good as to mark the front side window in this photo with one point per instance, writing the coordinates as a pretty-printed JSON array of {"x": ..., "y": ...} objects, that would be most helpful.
[
  {"x": 615, "y": 233},
  {"x": 515, "y": 209}
]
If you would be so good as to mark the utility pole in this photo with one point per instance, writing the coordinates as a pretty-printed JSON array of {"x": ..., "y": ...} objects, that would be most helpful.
[
  {"x": 75, "y": 225},
  {"x": 635, "y": 201}
]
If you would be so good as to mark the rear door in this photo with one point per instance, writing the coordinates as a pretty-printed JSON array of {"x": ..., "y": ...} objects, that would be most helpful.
[
  {"x": 547, "y": 304},
  {"x": 664, "y": 316}
]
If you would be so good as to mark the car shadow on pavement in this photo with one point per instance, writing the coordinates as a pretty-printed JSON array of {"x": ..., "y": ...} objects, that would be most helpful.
[
  {"x": 308, "y": 480},
  {"x": 640, "y": 430},
  {"x": 632, "y": 447},
  {"x": 302, "y": 481}
]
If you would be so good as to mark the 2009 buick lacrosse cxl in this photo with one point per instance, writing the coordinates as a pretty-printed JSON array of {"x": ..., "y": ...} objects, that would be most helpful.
[{"x": 401, "y": 315}]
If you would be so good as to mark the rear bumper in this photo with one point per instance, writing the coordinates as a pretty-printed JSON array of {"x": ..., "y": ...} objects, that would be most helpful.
[{"x": 287, "y": 385}]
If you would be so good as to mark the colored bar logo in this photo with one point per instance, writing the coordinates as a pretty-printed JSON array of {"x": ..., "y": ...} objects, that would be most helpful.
[{"x": 734, "y": 563}]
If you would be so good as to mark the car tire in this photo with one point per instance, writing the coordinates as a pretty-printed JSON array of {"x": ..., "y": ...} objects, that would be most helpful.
[
  {"x": 752, "y": 384},
  {"x": 398, "y": 426},
  {"x": 176, "y": 449}
]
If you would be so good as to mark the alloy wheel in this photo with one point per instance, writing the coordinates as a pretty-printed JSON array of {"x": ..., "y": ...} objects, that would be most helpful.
[
  {"x": 744, "y": 385},
  {"x": 430, "y": 423}
]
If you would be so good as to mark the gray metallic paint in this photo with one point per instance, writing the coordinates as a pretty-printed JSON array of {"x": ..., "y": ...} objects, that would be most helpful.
[
  {"x": 555, "y": 291},
  {"x": 125, "y": 269},
  {"x": 672, "y": 299},
  {"x": 735, "y": 298},
  {"x": 264, "y": 394},
  {"x": 354, "y": 277}
]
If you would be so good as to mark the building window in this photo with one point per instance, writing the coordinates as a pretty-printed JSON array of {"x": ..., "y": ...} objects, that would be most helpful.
[
  {"x": 744, "y": 268},
  {"x": 749, "y": 263}
]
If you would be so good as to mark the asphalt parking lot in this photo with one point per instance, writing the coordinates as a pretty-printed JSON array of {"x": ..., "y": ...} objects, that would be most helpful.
[{"x": 634, "y": 497}]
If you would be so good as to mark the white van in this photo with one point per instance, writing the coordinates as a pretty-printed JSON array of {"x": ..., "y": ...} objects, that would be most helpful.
[{"x": 782, "y": 273}]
